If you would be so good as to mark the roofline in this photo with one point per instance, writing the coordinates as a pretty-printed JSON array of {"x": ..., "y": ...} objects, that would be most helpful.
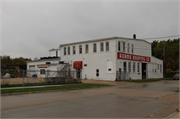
[
  {"x": 102, "y": 39},
  {"x": 53, "y": 49},
  {"x": 43, "y": 60},
  {"x": 157, "y": 58}
]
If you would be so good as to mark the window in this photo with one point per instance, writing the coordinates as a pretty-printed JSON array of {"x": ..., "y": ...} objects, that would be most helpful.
[
  {"x": 155, "y": 70},
  {"x": 124, "y": 65},
  {"x": 56, "y": 53},
  {"x": 119, "y": 46},
  {"x": 132, "y": 48},
  {"x": 42, "y": 71},
  {"x": 94, "y": 47},
  {"x": 129, "y": 66},
  {"x": 68, "y": 50},
  {"x": 80, "y": 49},
  {"x": 138, "y": 67},
  {"x": 128, "y": 47},
  {"x": 87, "y": 48},
  {"x": 74, "y": 49},
  {"x": 107, "y": 46},
  {"x": 64, "y": 50},
  {"x": 102, "y": 47},
  {"x": 97, "y": 72},
  {"x": 158, "y": 66},
  {"x": 134, "y": 66},
  {"x": 123, "y": 46}
]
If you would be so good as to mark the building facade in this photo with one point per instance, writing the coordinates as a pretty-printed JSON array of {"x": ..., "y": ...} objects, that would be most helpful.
[{"x": 101, "y": 59}]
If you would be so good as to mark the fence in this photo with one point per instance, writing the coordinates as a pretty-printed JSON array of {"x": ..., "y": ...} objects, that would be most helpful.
[
  {"x": 122, "y": 76},
  {"x": 33, "y": 77}
]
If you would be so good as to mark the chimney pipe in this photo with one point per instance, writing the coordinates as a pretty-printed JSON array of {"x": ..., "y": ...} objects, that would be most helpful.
[{"x": 134, "y": 36}]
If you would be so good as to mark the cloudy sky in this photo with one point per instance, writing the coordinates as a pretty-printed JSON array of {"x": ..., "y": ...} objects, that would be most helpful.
[{"x": 30, "y": 29}]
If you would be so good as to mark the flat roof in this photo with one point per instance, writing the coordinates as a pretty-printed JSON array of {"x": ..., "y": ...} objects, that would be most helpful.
[
  {"x": 43, "y": 60},
  {"x": 54, "y": 49},
  {"x": 102, "y": 39}
]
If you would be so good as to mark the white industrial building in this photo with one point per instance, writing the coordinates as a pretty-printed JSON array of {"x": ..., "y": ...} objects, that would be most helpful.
[{"x": 101, "y": 59}]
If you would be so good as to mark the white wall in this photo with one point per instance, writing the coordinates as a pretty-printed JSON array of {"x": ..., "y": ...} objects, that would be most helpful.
[
  {"x": 42, "y": 63},
  {"x": 154, "y": 66},
  {"x": 93, "y": 60},
  {"x": 53, "y": 53}
]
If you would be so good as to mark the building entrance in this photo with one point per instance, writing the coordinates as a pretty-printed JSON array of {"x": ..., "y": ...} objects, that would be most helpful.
[{"x": 144, "y": 70}]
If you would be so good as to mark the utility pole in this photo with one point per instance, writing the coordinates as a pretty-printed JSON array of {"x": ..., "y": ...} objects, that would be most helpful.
[{"x": 164, "y": 67}]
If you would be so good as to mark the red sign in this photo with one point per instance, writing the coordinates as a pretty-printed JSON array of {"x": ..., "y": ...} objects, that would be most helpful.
[
  {"x": 42, "y": 67},
  {"x": 77, "y": 65},
  {"x": 132, "y": 57}
]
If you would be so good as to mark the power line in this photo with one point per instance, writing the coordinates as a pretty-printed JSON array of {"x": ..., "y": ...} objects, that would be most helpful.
[{"x": 161, "y": 37}]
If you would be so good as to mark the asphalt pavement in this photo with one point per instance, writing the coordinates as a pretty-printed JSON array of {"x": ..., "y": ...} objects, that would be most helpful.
[{"x": 123, "y": 100}]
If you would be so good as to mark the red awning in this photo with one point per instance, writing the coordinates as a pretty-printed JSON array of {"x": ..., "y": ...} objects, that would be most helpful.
[{"x": 77, "y": 65}]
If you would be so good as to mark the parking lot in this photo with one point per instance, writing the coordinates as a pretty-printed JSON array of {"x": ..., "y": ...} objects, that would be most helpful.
[{"x": 121, "y": 100}]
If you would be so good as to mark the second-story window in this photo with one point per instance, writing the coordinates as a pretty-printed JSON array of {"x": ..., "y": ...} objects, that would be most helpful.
[
  {"x": 64, "y": 50},
  {"x": 128, "y": 47},
  {"x": 119, "y": 46},
  {"x": 74, "y": 49},
  {"x": 101, "y": 47},
  {"x": 68, "y": 50},
  {"x": 107, "y": 46},
  {"x": 94, "y": 47},
  {"x": 87, "y": 49},
  {"x": 123, "y": 46},
  {"x": 132, "y": 48},
  {"x": 80, "y": 49}
]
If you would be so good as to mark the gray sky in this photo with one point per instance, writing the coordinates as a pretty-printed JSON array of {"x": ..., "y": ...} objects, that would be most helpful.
[{"x": 30, "y": 29}]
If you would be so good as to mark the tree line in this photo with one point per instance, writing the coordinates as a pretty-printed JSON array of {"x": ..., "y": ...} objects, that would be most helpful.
[
  {"x": 167, "y": 51},
  {"x": 6, "y": 61}
]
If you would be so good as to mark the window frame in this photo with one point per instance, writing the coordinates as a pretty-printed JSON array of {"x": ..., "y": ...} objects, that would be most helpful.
[
  {"x": 102, "y": 47},
  {"x": 64, "y": 50},
  {"x": 138, "y": 67},
  {"x": 97, "y": 72},
  {"x": 80, "y": 49},
  {"x": 107, "y": 47},
  {"x": 74, "y": 50},
  {"x": 42, "y": 71},
  {"x": 132, "y": 48},
  {"x": 119, "y": 45},
  {"x": 69, "y": 50},
  {"x": 129, "y": 66},
  {"x": 94, "y": 47},
  {"x": 86, "y": 48},
  {"x": 128, "y": 47},
  {"x": 134, "y": 67},
  {"x": 124, "y": 46}
]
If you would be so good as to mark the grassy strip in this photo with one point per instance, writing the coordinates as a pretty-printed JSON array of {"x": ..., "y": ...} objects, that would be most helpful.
[
  {"x": 149, "y": 80},
  {"x": 71, "y": 86}
]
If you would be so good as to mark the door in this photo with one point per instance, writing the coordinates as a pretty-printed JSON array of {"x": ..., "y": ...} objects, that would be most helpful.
[
  {"x": 31, "y": 70},
  {"x": 143, "y": 70}
]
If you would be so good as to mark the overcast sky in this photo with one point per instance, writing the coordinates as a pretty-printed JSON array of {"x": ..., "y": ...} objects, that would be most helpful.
[{"x": 30, "y": 29}]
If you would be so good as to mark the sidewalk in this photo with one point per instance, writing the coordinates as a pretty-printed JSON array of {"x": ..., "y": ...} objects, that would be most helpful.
[{"x": 30, "y": 87}]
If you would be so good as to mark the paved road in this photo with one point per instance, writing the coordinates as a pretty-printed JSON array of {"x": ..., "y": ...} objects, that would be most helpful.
[{"x": 123, "y": 100}]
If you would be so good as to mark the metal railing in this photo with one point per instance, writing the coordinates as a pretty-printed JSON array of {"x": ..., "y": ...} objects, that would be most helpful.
[{"x": 122, "y": 76}]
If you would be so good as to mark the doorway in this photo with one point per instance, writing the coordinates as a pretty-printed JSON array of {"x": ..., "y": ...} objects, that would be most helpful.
[{"x": 143, "y": 70}]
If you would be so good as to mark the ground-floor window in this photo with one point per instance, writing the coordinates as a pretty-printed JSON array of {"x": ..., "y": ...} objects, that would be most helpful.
[
  {"x": 42, "y": 71},
  {"x": 97, "y": 72},
  {"x": 134, "y": 66},
  {"x": 138, "y": 67},
  {"x": 129, "y": 66}
]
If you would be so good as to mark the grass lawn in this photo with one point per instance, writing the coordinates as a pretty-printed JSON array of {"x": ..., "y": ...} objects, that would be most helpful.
[
  {"x": 69, "y": 86},
  {"x": 149, "y": 80}
]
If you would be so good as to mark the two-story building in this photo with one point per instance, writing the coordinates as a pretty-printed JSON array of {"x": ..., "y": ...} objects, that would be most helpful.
[{"x": 100, "y": 59}]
